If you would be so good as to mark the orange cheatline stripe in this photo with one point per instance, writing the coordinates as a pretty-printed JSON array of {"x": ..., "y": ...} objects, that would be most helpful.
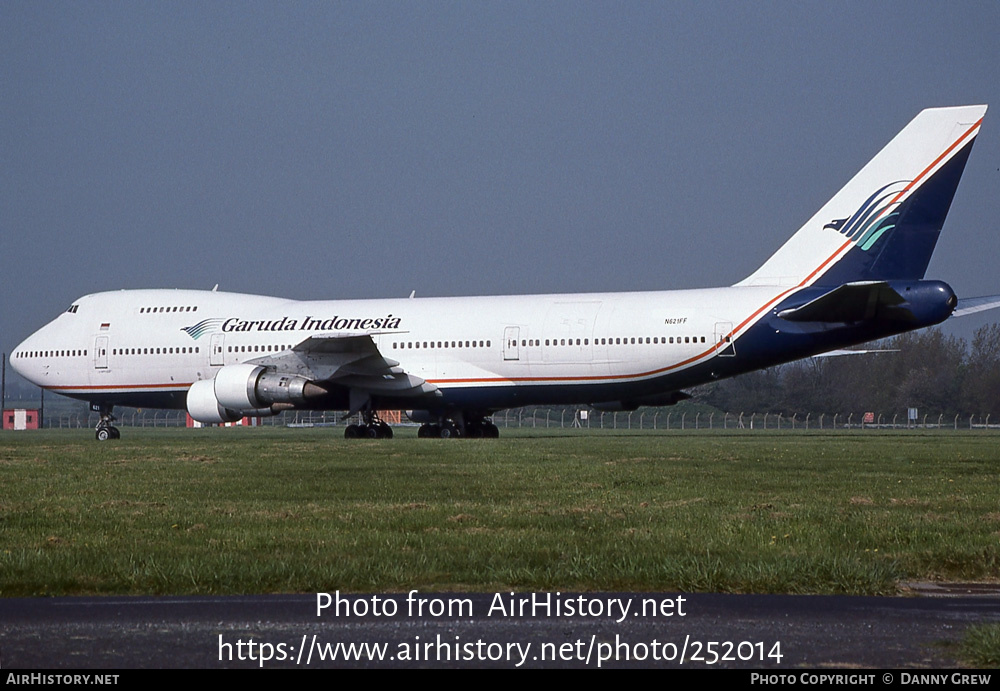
[
  {"x": 602, "y": 377},
  {"x": 926, "y": 170},
  {"x": 105, "y": 387},
  {"x": 937, "y": 160}
]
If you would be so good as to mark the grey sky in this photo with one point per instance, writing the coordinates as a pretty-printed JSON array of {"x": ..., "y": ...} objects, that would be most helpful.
[{"x": 325, "y": 150}]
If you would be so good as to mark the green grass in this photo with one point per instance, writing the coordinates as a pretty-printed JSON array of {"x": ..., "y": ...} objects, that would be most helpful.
[
  {"x": 981, "y": 646},
  {"x": 276, "y": 510}
]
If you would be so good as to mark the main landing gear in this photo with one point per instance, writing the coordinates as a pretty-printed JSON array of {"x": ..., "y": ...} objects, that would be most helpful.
[
  {"x": 456, "y": 424},
  {"x": 480, "y": 428},
  {"x": 105, "y": 430},
  {"x": 372, "y": 427}
]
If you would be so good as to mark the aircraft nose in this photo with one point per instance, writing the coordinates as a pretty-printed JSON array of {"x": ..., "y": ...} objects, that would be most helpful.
[
  {"x": 21, "y": 358},
  {"x": 17, "y": 357}
]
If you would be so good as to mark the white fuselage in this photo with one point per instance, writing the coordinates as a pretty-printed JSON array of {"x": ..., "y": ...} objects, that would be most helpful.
[{"x": 134, "y": 341}]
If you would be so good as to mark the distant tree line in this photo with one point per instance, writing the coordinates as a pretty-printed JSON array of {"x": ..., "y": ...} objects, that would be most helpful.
[{"x": 935, "y": 373}]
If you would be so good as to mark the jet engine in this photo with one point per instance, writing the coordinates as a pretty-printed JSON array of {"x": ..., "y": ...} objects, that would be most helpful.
[{"x": 247, "y": 390}]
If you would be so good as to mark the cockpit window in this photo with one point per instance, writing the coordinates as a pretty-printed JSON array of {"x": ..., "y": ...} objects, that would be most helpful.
[{"x": 73, "y": 309}]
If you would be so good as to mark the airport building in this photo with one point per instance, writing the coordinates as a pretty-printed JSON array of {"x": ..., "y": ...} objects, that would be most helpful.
[{"x": 20, "y": 418}]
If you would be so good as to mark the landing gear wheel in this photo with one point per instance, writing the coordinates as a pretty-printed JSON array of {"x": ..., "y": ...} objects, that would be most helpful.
[
  {"x": 371, "y": 427},
  {"x": 448, "y": 431},
  {"x": 105, "y": 430},
  {"x": 481, "y": 428},
  {"x": 461, "y": 424},
  {"x": 106, "y": 433}
]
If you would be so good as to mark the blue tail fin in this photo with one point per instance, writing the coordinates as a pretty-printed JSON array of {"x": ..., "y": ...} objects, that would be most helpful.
[{"x": 884, "y": 224}]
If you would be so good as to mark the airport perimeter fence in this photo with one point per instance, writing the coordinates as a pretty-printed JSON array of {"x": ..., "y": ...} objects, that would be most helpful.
[
  {"x": 178, "y": 418},
  {"x": 660, "y": 420},
  {"x": 547, "y": 418}
]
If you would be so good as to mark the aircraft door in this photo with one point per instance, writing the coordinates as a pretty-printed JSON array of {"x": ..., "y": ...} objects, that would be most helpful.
[
  {"x": 216, "y": 350},
  {"x": 724, "y": 345},
  {"x": 101, "y": 352},
  {"x": 511, "y": 334}
]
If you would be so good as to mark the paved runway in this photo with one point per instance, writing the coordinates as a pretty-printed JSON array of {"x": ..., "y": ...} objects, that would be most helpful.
[{"x": 610, "y": 630}]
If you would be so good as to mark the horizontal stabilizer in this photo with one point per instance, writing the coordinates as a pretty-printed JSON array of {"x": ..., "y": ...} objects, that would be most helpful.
[
  {"x": 972, "y": 305},
  {"x": 846, "y": 351},
  {"x": 851, "y": 302}
]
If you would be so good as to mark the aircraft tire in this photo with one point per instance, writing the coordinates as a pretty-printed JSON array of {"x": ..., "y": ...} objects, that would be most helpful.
[
  {"x": 449, "y": 431},
  {"x": 103, "y": 434}
]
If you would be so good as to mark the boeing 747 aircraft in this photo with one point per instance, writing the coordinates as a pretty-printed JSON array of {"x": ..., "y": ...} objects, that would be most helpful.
[{"x": 853, "y": 273}]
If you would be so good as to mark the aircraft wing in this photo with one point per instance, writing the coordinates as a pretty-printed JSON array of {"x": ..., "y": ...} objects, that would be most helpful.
[
  {"x": 851, "y": 302},
  {"x": 968, "y": 306},
  {"x": 351, "y": 360}
]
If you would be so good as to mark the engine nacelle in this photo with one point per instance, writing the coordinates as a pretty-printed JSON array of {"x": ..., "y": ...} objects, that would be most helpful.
[
  {"x": 423, "y": 416},
  {"x": 247, "y": 390},
  {"x": 236, "y": 387},
  {"x": 203, "y": 406}
]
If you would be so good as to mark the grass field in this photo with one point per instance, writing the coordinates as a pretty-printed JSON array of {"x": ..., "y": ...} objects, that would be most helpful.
[{"x": 303, "y": 510}]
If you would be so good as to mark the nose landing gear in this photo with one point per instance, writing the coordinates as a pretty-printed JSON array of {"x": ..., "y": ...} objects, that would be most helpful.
[{"x": 105, "y": 430}]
